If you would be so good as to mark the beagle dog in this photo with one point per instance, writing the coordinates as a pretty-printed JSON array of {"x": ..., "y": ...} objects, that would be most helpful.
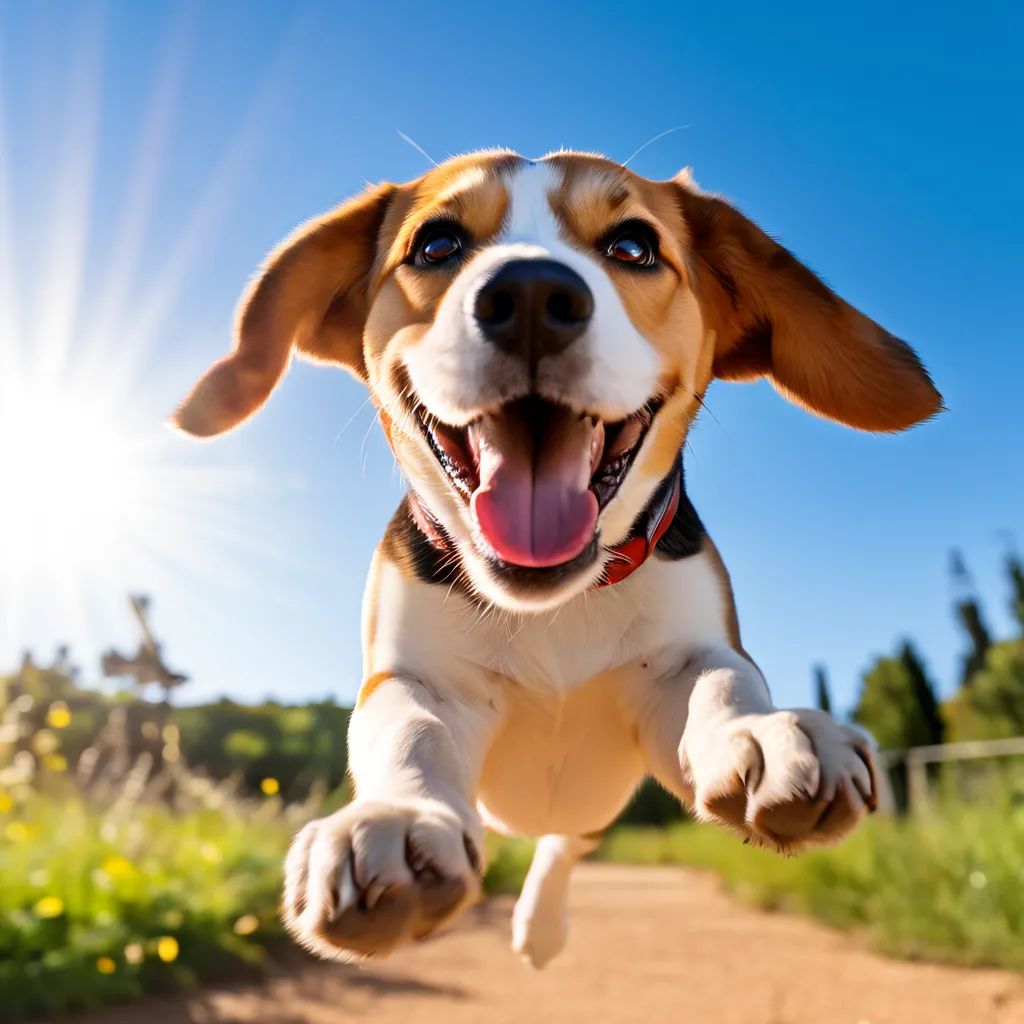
[{"x": 546, "y": 620}]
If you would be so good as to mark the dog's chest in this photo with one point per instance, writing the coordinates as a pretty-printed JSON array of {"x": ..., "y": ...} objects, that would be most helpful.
[
  {"x": 565, "y": 758},
  {"x": 558, "y": 652},
  {"x": 562, "y": 763}
]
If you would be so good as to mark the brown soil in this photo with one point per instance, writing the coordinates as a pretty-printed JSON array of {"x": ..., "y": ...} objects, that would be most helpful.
[{"x": 647, "y": 945}]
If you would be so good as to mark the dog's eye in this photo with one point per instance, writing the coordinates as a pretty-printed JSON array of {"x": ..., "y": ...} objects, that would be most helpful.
[
  {"x": 439, "y": 245},
  {"x": 635, "y": 244}
]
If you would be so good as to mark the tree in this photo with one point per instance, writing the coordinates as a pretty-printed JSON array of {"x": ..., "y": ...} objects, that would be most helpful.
[
  {"x": 897, "y": 703},
  {"x": 968, "y": 611},
  {"x": 1015, "y": 570},
  {"x": 824, "y": 699},
  {"x": 923, "y": 691},
  {"x": 992, "y": 707}
]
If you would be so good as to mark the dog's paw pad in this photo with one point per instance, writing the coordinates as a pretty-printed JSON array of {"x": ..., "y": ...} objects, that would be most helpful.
[
  {"x": 377, "y": 875},
  {"x": 788, "y": 779}
]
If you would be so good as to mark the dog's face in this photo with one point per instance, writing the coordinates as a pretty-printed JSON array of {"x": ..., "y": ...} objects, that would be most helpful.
[{"x": 538, "y": 336}]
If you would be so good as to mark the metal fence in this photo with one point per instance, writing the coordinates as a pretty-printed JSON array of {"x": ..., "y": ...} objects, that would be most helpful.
[{"x": 917, "y": 760}]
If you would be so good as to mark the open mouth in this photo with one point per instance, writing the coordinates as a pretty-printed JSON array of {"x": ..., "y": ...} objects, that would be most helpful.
[{"x": 537, "y": 474}]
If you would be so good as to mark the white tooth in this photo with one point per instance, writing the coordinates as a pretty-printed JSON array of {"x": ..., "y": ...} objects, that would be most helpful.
[{"x": 596, "y": 447}]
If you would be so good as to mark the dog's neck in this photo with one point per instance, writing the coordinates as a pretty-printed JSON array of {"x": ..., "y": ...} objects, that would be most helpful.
[{"x": 648, "y": 529}]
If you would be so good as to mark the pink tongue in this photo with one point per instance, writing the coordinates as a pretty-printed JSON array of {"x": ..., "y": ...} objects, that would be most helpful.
[{"x": 534, "y": 504}]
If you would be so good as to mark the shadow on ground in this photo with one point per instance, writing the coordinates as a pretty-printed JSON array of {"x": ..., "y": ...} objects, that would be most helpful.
[{"x": 299, "y": 988}]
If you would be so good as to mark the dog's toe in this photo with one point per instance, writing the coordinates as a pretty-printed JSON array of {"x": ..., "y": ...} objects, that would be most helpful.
[{"x": 375, "y": 876}]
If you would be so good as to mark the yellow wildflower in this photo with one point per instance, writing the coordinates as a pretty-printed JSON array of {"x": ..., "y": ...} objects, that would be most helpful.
[
  {"x": 17, "y": 832},
  {"x": 211, "y": 853},
  {"x": 58, "y": 717},
  {"x": 6, "y": 803},
  {"x": 270, "y": 786},
  {"x": 117, "y": 867},
  {"x": 105, "y": 965},
  {"x": 247, "y": 924},
  {"x": 49, "y": 906},
  {"x": 167, "y": 949},
  {"x": 45, "y": 742}
]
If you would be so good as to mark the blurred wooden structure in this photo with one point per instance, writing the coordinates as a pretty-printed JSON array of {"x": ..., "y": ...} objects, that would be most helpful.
[{"x": 147, "y": 665}]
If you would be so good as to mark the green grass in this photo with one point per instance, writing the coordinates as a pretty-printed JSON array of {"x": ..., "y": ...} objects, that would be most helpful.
[
  {"x": 95, "y": 911},
  {"x": 507, "y": 863},
  {"x": 948, "y": 889}
]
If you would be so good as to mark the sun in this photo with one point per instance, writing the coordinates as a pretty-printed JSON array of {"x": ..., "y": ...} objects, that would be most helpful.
[
  {"x": 98, "y": 499},
  {"x": 76, "y": 482}
]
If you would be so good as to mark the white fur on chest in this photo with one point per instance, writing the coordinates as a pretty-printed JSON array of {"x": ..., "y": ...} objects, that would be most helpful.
[
  {"x": 659, "y": 610},
  {"x": 564, "y": 757}
]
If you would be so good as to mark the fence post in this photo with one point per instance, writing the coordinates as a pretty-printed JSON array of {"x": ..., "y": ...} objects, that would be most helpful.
[{"x": 917, "y": 782}]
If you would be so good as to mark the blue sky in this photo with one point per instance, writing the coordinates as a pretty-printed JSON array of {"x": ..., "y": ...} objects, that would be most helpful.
[{"x": 167, "y": 147}]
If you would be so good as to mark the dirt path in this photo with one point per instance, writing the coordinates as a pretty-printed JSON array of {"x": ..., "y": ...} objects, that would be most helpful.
[{"x": 647, "y": 945}]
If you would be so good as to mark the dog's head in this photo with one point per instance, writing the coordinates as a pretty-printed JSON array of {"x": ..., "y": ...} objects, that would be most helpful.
[{"x": 538, "y": 335}]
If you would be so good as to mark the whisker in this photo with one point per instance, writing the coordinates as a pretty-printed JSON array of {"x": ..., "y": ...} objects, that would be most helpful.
[
  {"x": 362, "y": 448},
  {"x": 351, "y": 419},
  {"x": 419, "y": 149},
  {"x": 650, "y": 142}
]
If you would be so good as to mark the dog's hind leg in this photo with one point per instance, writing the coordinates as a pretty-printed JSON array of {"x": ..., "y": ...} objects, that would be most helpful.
[{"x": 540, "y": 921}]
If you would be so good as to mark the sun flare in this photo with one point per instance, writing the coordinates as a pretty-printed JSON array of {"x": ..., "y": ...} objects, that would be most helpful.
[
  {"x": 97, "y": 498},
  {"x": 76, "y": 482}
]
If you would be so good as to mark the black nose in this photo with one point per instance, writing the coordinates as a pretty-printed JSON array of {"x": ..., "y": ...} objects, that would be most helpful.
[{"x": 534, "y": 308}]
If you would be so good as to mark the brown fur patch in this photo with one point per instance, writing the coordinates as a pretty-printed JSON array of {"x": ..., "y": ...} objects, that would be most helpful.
[
  {"x": 594, "y": 196},
  {"x": 405, "y": 546},
  {"x": 773, "y": 317},
  {"x": 725, "y": 587},
  {"x": 312, "y": 297},
  {"x": 469, "y": 190},
  {"x": 370, "y": 684}
]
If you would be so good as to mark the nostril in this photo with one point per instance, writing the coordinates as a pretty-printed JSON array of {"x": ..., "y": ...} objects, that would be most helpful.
[
  {"x": 560, "y": 308},
  {"x": 497, "y": 308}
]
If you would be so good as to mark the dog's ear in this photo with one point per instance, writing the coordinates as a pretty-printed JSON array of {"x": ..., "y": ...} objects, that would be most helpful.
[
  {"x": 775, "y": 318},
  {"x": 310, "y": 298}
]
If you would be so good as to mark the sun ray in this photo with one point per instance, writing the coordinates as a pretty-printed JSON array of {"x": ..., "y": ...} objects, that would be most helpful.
[
  {"x": 8, "y": 284},
  {"x": 96, "y": 497},
  {"x": 212, "y": 205},
  {"x": 141, "y": 194},
  {"x": 72, "y": 203}
]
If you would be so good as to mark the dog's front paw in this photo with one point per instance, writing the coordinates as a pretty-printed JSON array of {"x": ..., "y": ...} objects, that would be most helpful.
[
  {"x": 787, "y": 780},
  {"x": 377, "y": 875}
]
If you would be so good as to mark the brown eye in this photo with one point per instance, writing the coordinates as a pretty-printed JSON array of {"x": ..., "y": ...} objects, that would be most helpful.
[
  {"x": 635, "y": 244},
  {"x": 439, "y": 246}
]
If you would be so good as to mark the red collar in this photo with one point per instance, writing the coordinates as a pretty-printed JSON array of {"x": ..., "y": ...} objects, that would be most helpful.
[{"x": 650, "y": 526}]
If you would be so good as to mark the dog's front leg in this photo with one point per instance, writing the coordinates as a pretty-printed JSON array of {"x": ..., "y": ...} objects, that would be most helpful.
[
  {"x": 784, "y": 779},
  {"x": 405, "y": 856}
]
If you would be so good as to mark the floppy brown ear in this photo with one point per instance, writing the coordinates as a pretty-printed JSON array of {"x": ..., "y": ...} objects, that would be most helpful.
[
  {"x": 311, "y": 297},
  {"x": 775, "y": 318}
]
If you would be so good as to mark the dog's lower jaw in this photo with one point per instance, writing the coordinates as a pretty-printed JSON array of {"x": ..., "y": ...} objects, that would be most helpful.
[{"x": 556, "y": 590}]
